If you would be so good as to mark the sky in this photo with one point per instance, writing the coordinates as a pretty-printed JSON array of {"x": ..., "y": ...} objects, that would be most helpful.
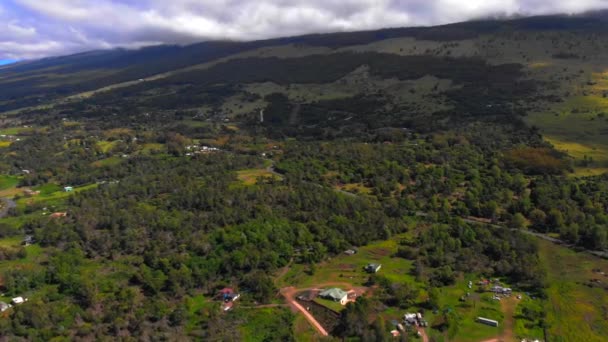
[{"x": 31, "y": 29}]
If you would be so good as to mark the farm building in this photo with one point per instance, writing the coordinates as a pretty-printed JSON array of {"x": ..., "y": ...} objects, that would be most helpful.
[
  {"x": 487, "y": 321},
  {"x": 68, "y": 189},
  {"x": 373, "y": 268},
  {"x": 335, "y": 294}
]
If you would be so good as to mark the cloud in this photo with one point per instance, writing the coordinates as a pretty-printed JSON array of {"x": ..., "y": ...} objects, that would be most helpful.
[{"x": 36, "y": 28}]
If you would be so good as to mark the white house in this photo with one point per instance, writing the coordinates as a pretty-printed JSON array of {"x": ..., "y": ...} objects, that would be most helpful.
[{"x": 335, "y": 294}]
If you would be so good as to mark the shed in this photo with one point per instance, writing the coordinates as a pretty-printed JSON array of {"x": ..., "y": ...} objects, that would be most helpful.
[
  {"x": 372, "y": 268},
  {"x": 68, "y": 188},
  {"x": 487, "y": 321},
  {"x": 18, "y": 300}
]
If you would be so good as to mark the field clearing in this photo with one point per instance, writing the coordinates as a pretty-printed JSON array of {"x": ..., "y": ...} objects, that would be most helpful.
[
  {"x": 111, "y": 161},
  {"x": 347, "y": 269},
  {"x": 150, "y": 148},
  {"x": 575, "y": 311},
  {"x": 261, "y": 323},
  {"x": 8, "y": 182},
  {"x": 14, "y": 130},
  {"x": 578, "y": 126},
  {"x": 250, "y": 176},
  {"x": 356, "y": 188},
  {"x": 52, "y": 194},
  {"x": 5, "y": 143},
  {"x": 106, "y": 146},
  {"x": 478, "y": 304}
]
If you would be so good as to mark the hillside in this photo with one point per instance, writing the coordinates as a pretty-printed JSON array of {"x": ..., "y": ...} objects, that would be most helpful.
[{"x": 143, "y": 189}]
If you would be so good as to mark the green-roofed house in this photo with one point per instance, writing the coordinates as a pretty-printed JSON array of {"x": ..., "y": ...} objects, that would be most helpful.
[{"x": 335, "y": 294}]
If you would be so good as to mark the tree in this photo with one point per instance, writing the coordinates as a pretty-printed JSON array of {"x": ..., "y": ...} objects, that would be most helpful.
[{"x": 518, "y": 221}]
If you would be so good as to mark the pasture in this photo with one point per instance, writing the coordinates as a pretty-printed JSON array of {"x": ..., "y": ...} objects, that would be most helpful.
[{"x": 577, "y": 294}]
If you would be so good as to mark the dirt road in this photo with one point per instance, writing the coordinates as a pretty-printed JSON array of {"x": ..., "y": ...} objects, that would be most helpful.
[
  {"x": 423, "y": 335},
  {"x": 289, "y": 294}
]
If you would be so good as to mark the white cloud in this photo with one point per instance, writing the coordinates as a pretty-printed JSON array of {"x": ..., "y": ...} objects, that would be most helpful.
[{"x": 65, "y": 26}]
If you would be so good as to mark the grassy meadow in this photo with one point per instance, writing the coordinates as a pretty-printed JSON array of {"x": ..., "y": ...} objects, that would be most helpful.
[{"x": 576, "y": 311}]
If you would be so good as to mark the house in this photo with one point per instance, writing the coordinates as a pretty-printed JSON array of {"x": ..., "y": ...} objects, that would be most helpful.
[
  {"x": 373, "y": 268},
  {"x": 335, "y": 294},
  {"x": 26, "y": 172},
  {"x": 68, "y": 189},
  {"x": 4, "y": 306},
  {"x": 410, "y": 318},
  {"x": 228, "y": 294},
  {"x": 350, "y": 252},
  {"x": 18, "y": 300},
  {"x": 487, "y": 321}
]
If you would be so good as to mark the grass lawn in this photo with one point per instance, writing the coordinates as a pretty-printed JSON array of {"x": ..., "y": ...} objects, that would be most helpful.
[
  {"x": 330, "y": 304},
  {"x": 7, "y": 182},
  {"x": 575, "y": 312}
]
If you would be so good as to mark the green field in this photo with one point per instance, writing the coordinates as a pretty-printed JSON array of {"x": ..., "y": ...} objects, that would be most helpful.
[
  {"x": 7, "y": 182},
  {"x": 575, "y": 311},
  {"x": 250, "y": 176},
  {"x": 350, "y": 269}
]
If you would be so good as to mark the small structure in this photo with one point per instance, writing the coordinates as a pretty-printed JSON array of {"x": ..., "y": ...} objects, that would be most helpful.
[
  {"x": 487, "y": 321},
  {"x": 335, "y": 294},
  {"x": 68, "y": 188},
  {"x": 501, "y": 290},
  {"x": 59, "y": 214},
  {"x": 395, "y": 333},
  {"x": 410, "y": 318},
  {"x": 350, "y": 252},
  {"x": 28, "y": 240},
  {"x": 373, "y": 268},
  {"x": 18, "y": 300},
  {"x": 229, "y": 295},
  {"x": 30, "y": 192},
  {"x": 4, "y": 306},
  {"x": 26, "y": 172}
]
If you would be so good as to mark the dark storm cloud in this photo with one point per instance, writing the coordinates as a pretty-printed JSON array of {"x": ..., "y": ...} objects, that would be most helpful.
[{"x": 35, "y": 28}]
